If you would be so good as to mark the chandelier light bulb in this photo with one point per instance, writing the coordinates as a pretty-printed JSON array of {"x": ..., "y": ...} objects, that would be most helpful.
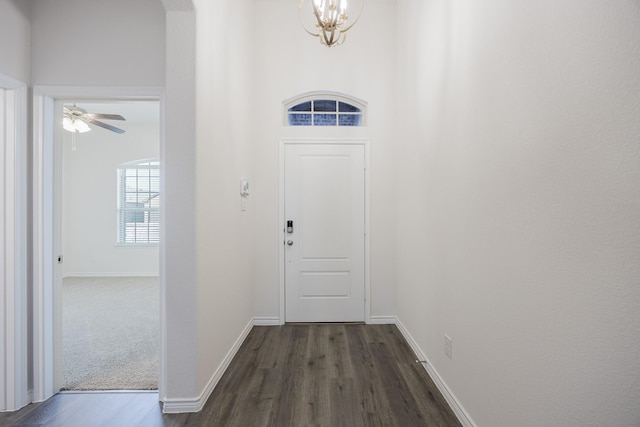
[{"x": 343, "y": 8}]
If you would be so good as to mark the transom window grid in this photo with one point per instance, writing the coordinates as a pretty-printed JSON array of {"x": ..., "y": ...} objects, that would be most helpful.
[
  {"x": 139, "y": 203},
  {"x": 324, "y": 111}
]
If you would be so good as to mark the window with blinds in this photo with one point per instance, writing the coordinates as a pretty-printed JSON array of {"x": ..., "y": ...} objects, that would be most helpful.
[{"x": 139, "y": 203}]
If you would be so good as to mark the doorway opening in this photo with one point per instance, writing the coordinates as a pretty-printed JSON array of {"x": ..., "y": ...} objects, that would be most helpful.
[{"x": 107, "y": 234}]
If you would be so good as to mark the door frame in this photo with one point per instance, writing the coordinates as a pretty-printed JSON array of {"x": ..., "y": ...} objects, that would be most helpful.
[
  {"x": 367, "y": 215},
  {"x": 46, "y": 373},
  {"x": 14, "y": 391}
]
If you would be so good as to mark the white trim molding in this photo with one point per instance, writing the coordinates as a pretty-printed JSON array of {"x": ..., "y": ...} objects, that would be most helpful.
[
  {"x": 111, "y": 274},
  {"x": 451, "y": 399},
  {"x": 180, "y": 405},
  {"x": 43, "y": 253},
  {"x": 267, "y": 321},
  {"x": 14, "y": 392},
  {"x": 383, "y": 320},
  {"x": 46, "y": 275}
]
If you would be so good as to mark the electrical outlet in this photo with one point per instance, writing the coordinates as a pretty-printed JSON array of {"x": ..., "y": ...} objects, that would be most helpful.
[{"x": 448, "y": 346}]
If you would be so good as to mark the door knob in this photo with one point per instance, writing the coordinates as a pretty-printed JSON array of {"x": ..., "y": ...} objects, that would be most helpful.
[{"x": 289, "y": 242}]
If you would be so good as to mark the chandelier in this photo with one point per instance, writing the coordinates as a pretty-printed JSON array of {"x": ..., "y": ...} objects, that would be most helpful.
[{"x": 331, "y": 20}]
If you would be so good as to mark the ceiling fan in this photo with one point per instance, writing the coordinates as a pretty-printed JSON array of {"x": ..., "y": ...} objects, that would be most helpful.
[{"x": 77, "y": 119}]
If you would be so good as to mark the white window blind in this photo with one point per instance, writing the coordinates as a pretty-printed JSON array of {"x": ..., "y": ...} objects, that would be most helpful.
[{"x": 139, "y": 202}]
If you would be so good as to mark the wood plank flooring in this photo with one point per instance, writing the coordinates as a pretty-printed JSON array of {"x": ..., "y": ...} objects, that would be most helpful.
[{"x": 291, "y": 375}]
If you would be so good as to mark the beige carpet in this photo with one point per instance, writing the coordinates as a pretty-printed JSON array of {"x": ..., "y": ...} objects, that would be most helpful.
[{"x": 110, "y": 333}]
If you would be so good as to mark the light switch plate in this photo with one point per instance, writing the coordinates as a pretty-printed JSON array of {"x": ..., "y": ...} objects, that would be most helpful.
[{"x": 244, "y": 187}]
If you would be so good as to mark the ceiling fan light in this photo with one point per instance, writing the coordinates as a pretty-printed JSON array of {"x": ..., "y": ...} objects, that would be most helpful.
[
  {"x": 67, "y": 124},
  {"x": 81, "y": 126}
]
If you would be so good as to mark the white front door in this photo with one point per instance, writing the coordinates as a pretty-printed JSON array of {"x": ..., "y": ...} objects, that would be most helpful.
[{"x": 324, "y": 203}]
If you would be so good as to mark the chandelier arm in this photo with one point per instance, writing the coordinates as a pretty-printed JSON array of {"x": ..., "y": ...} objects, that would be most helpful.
[
  {"x": 302, "y": 23},
  {"x": 357, "y": 17},
  {"x": 321, "y": 25},
  {"x": 332, "y": 23},
  {"x": 326, "y": 38},
  {"x": 316, "y": 12},
  {"x": 333, "y": 17},
  {"x": 333, "y": 35}
]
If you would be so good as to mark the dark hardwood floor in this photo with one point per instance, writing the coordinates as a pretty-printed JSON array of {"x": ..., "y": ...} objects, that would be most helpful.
[{"x": 292, "y": 375}]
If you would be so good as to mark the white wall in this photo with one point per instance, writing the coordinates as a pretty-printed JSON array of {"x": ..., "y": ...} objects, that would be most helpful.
[
  {"x": 289, "y": 62},
  {"x": 179, "y": 270},
  {"x": 209, "y": 272},
  {"x": 14, "y": 312},
  {"x": 122, "y": 43},
  {"x": 113, "y": 43},
  {"x": 15, "y": 74},
  {"x": 223, "y": 137},
  {"x": 207, "y": 268},
  {"x": 90, "y": 200},
  {"x": 15, "y": 39},
  {"x": 520, "y": 239}
]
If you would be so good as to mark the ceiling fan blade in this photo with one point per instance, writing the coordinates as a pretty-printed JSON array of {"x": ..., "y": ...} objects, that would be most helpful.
[
  {"x": 105, "y": 116},
  {"x": 104, "y": 125}
]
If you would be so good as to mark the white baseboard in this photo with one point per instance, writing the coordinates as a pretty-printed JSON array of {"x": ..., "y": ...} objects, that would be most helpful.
[
  {"x": 451, "y": 399},
  {"x": 266, "y": 321},
  {"x": 151, "y": 274},
  {"x": 383, "y": 320},
  {"x": 180, "y": 405}
]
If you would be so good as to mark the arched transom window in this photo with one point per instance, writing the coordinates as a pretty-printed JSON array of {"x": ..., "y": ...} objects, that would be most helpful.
[{"x": 325, "y": 109}]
